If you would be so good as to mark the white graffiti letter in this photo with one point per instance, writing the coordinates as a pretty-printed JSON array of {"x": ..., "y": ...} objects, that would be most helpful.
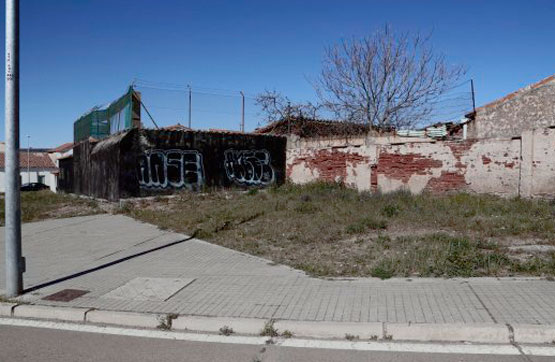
[{"x": 161, "y": 169}]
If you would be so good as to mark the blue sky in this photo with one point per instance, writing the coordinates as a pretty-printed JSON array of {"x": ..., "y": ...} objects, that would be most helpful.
[{"x": 79, "y": 53}]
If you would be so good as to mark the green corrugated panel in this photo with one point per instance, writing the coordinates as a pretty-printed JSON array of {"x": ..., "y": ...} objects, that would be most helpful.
[{"x": 100, "y": 123}]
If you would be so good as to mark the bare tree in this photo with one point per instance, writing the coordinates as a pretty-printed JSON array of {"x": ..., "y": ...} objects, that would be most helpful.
[
  {"x": 276, "y": 106},
  {"x": 385, "y": 80}
]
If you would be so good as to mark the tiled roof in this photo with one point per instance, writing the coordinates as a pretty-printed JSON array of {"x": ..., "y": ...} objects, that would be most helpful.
[
  {"x": 307, "y": 127},
  {"x": 517, "y": 92},
  {"x": 35, "y": 160},
  {"x": 176, "y": 127},
  {"x": 63, "y": 148}
]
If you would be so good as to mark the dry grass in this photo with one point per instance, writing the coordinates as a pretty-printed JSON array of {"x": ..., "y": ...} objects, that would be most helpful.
[
  {"x": 329, "y": 230},
  {"x": 39, "y": 205}
]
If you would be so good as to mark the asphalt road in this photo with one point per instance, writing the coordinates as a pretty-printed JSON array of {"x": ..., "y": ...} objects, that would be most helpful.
[{"x": 26, "y": 344}]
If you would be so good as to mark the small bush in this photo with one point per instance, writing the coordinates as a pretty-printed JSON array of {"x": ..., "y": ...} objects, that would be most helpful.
[
  {"x": 165, "y": 322},
  {"x": 269, "y": 330},
  {"x": 391, "y": 210},
  {"x": 382, "y": 271},
  {"x": 226, "y": 331},
  {"x": 287, "y": 334}
]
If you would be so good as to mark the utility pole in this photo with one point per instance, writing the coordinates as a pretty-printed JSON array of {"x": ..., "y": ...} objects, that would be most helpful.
[
  {"x": 190, "y": 99},
  {"x": 28, "y": 159},
  {"x": 288, "y": 118},
  {"x": 15, "y": 264},
  {"x": 242, "y": 111},
  {"x": 473, "y": 97}
]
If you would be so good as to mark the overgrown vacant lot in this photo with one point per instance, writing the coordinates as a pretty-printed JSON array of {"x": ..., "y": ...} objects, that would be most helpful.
[
  {"x": 39, "y": 205},
  {"x": 329, "y": 230}
]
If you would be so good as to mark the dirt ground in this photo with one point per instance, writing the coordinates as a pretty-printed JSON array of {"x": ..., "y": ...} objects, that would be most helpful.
[
  {"x": 328, "y": 230},
  {"x": 40, "y": 205}
]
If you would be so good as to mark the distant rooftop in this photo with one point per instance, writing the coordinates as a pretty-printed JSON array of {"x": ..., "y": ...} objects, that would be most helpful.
[
  {"x": 34, "y": 160},
  {"x": 176, "y": 127},
  {"x": 307, "y": 127},
  {"x": 516, "y": 93},
  {"x": 63, "y": 148}
]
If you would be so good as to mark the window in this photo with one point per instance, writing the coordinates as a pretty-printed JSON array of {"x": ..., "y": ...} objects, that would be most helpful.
[{"x": 41, "y": 179}]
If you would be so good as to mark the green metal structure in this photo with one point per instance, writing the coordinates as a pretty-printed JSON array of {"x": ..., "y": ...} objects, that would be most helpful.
[{"x": 100, "y": 122}]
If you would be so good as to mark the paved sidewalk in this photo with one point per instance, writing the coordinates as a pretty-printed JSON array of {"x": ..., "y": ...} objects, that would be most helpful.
[{"x": 104, "y": 252}]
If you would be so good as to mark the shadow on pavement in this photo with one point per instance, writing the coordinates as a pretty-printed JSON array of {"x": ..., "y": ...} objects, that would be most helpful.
[{"x": 106, "y": 265}]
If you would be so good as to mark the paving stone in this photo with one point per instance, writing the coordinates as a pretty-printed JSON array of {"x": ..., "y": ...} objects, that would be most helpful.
[
  {"x": 103, "y": 253},
  {"x": 151, "y": 289}
]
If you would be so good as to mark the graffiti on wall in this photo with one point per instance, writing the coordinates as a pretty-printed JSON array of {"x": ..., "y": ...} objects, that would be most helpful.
[
  {"x": 249, "y": 167},
  {"x": 161, "y": 169}
]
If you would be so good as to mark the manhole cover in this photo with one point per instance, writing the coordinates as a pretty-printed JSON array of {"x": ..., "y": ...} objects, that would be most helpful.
[
  {"x": 66, "y": 295},
  {"x": 149, "y": 289}
]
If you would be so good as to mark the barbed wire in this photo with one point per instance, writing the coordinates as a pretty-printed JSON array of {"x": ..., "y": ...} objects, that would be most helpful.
[{"x": 220, "y": 108}]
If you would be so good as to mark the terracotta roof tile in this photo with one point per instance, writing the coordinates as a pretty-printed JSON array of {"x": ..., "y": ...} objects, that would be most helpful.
[
  {"x": 63, "y": 148},
  {"x": 307, "y": 127},
  {"x": 36, "y": 160}
]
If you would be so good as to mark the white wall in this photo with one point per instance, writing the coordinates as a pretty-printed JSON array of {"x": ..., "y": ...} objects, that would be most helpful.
[{"x": 49, "y": 178}]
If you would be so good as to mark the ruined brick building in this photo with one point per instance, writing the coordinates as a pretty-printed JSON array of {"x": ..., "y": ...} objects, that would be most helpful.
[
  {"x": 506, "y": 148},
  {"x": 531, "y": 107}
]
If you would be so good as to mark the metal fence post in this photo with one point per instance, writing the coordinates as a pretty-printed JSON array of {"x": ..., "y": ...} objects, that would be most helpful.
[
  {"x": 14, "y": 261},
  {"x": 242, "y": 111},
  {"x": 190, "y": 104}
]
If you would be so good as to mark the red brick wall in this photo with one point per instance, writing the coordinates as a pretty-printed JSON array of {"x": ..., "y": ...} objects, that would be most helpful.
[{"x": 491, "y": 166}]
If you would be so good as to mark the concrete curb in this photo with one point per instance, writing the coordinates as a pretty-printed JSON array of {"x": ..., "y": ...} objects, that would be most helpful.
[
  {"x": 490, "y": 333},
  {"x": 46, "y": 312},
  {"x": 527, "y": 333},
  {"x": 6, "y": 309},
  {"x": 423, "y": 332},
  {"x": 213, "y": 324},
  {"x": 128, "y": 319},
  {"x": 368, "y": 331}
]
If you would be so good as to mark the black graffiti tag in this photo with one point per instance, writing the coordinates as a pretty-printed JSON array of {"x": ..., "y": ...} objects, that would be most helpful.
[
  {"x": 249, "y": 167},
  {"x": 161, "y": 169}
]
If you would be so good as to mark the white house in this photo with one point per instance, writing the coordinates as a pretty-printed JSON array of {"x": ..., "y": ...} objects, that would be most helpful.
[
  {"x": 33, "y": 167},
  {"x": 61, "y": 151}
]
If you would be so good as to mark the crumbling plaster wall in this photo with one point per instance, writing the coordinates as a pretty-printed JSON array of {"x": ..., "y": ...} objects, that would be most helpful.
[
  {"x": 483, "y": 167},
  {"x": 393, "y": 163},
  {"x": 538, "y": 163},
  {"x": 347, "y": 160}
]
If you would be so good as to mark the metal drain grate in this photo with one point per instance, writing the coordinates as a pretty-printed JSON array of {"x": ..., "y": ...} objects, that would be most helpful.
[{"x": 66, "y": 295}]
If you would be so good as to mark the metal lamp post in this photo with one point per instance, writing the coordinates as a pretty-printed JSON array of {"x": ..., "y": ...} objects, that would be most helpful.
[{"x": 15, "y": 264}]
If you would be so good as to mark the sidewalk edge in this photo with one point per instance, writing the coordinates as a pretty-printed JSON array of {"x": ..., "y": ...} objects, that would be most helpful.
[{"x": 370, "y": 331}]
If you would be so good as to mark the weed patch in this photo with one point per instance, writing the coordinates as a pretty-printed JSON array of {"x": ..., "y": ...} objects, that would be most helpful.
[
  {"x": 326, "y": 229},
  {"x": 226, "y": 331},
  {"x": 269, "y": 330},
  {"x": 40, "y": 205}
]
